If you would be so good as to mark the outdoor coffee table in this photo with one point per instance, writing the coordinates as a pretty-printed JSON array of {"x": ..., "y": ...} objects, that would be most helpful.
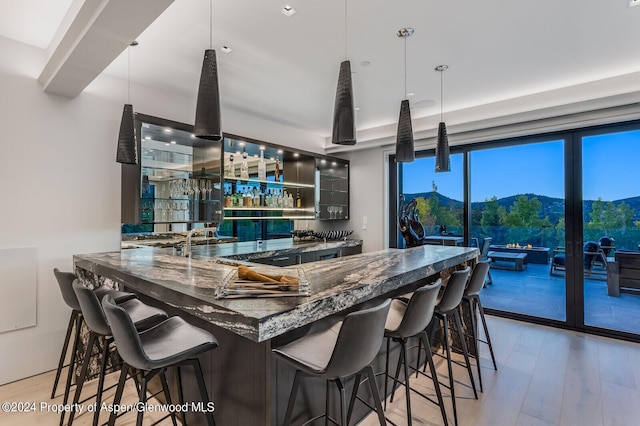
[{"x": 518, "y": 259}]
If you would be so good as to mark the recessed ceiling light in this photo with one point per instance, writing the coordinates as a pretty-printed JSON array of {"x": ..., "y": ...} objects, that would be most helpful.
[
  {"x": 296, "y": 155},
  {"x": 193, "y": 136},
  {"x": 333, "y": 163},
  {"x": 288, "y": 11},
  {"x": 410, "y": 93},
  {"x": 425, "y": 103},
  {"x": 173, "y": 142},
  {"x": 365, "y": 63},
  {"x": 148, "y": 138},
  {"x": 357, "y": 108},
  {"x": 323, "y": 161},
  {"x": 280, "y": 151},
  {"x": 226, "y": 49},
  {"x": 241, "y": 143},
  {"x": 167, "y": 144},
  {"x": 262, "y": 147},
  {"x": 634, "y": 3},
  {"x": 167, "y": 130}
]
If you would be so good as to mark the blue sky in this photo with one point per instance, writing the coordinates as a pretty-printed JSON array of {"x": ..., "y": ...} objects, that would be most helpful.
[{"x": 537, "y": 168}]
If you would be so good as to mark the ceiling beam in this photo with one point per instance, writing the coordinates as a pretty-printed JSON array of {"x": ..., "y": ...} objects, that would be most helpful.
[{"x": 99, "y": 32}]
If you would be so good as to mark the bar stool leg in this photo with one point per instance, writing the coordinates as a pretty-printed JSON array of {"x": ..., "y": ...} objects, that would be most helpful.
[
  {"x": 181, "y": 394},
  {"x": 407, "y": 389},
  {"x": 474, "y": 333},
  {"x": 386, "y": 373},
  {"x": 103, "y": 369},
  {"x": 354, "y": 395},
  {"x": 292, "y": 398},
  {"x": 203, "y": 390},
  {"x": 167, "y": 395},
  {"x": 376, "y": 396},
  {"x": 65, "y": 347},
  {"x": 327, "y": 404},
  {"x": 72, "y": 362},
  {"x": 465, "y": 351},
  {"x": 343, "y": 405},
  {"x": 445, "y": 329},
  {"x": 143, "y": 398},
  {"x": 434, "y": 376},
  {"x": 486, "y": 333},
  {"x": 396, "y": 376},
  {"x": 83, "y": 376},
  {"x": 124, "y": 369}
]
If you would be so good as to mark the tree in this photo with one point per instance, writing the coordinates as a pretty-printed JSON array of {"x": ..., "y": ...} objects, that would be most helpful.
[{"x": 525, "y": 222}]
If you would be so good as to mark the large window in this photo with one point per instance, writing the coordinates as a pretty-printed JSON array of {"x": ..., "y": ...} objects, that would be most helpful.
[
  {"x": 554, "y": 211},
  {"x": 439, "y": 196}
]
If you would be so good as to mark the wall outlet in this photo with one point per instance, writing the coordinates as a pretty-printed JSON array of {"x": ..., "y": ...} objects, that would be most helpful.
[{"x": 364, "y": 222}]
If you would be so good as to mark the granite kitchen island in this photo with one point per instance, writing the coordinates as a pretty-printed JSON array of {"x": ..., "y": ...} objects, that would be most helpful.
[{"x": 247, "y": 385}]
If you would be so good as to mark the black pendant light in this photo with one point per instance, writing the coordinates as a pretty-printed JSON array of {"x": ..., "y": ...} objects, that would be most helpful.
[
  {"x": 208, "y": 122},
  {"x": 344, "y": 123},
  {"x": 405, "y": 152},
  {"x": 443, "y": 163},
  {"x": 127, "y": 144}
]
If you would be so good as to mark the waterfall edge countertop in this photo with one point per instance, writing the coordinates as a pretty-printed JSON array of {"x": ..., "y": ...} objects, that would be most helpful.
[{"x": 336, "y": 284}]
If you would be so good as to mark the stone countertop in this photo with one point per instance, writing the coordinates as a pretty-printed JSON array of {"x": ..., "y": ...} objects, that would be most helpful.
[{"x": 336, "y": 284}]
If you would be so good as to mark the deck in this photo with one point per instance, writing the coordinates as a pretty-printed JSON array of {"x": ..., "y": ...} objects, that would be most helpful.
[{"x": 535, "y": 292}]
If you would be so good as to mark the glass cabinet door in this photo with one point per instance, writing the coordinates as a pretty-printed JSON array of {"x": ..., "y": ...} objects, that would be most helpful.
[
  {"x": 332, "y": 190},
  {"x": 177, "y": 180}
]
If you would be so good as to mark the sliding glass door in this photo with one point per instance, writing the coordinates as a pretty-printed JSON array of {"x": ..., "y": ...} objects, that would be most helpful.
[
  {"x": 611, "y": 228},
  {"x": 517, "y": 203}
]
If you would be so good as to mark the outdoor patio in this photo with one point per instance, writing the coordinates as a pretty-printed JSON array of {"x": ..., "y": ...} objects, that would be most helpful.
[{"x": 535, "y": 292}]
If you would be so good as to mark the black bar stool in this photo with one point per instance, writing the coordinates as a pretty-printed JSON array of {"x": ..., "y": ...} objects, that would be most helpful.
[
  {"x": 344, "y": 350},
  {"x": 410, "y": 319},
  {"x": 172, "y": 343},
  {"x": 472, "y": 297},
  {"x": 448, "y": 305},
  {"x": 144, "y": 317},
  {"x": 65, "y": 280}
]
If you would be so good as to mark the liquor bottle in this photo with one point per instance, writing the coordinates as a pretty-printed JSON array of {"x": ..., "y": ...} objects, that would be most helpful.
[
  {"x": 244, "y": 167},
  {"x": 262, "y": 167},
  {"x": 277, "y": 179},
  {"x": 290, "y": 201},
  {"x": 298, "y": 200},
  {"x": 231, "y": 171}
]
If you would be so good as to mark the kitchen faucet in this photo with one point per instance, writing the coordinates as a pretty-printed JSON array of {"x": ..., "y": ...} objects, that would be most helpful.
[{"x": 187, "y": 248}]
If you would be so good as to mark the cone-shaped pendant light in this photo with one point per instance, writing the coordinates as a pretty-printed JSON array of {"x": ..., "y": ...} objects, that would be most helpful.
[
  {"x": 344, "y": 122},
  {"x": 443, "y": 163},
  {"x": 127, "y": 144},
  {"x": 405, "y": 152},
  {"x": 208, "y": 122}
]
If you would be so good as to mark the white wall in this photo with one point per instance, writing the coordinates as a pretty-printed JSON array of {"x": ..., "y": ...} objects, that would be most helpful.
[{"x": 61, "y": 185}]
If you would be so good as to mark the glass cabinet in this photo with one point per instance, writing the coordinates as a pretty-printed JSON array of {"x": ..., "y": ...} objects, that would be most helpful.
[
  {"x": 332, "y": 189},
  {"x": 178, "y": 178},
  {"x": 266, "y": 182}
]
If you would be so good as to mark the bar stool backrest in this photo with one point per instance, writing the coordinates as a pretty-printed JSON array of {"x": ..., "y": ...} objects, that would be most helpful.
[
  {"x": 359, "y": 341},
  {"x": 477, "y": 279},
  {"x": 65, "y": 279},
  {"x": 125, "y": 335},
  {"x": 419, "y": 310},
  {"x": 454, "y": 290},
  {"x": 91, "y": 309}
]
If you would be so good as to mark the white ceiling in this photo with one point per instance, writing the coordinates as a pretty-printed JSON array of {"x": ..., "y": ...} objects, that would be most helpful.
[{"x": 285, "y": 69}]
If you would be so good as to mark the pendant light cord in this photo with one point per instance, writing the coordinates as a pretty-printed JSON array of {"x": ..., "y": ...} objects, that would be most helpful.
[
  {"x": 441, "y": 95},
  {"x": 129, "y": 75},
  {"x": 210, "y": 24},
  {"x": 405, "y": 69},
  {"x": 345, "y": 31}
]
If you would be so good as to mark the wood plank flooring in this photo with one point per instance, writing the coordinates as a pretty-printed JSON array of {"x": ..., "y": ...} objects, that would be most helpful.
[{"x": 545, "y": 377}]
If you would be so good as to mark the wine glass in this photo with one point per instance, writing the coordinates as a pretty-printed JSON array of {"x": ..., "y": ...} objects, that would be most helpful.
[{"x": 340, "y": 211}]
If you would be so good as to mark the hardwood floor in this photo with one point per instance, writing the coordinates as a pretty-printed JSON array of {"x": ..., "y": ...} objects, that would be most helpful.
[{"x": 545, "y": 376}]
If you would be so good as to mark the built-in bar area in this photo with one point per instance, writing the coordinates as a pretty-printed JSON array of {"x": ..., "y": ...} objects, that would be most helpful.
[{"x": 253, "y": 213}]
